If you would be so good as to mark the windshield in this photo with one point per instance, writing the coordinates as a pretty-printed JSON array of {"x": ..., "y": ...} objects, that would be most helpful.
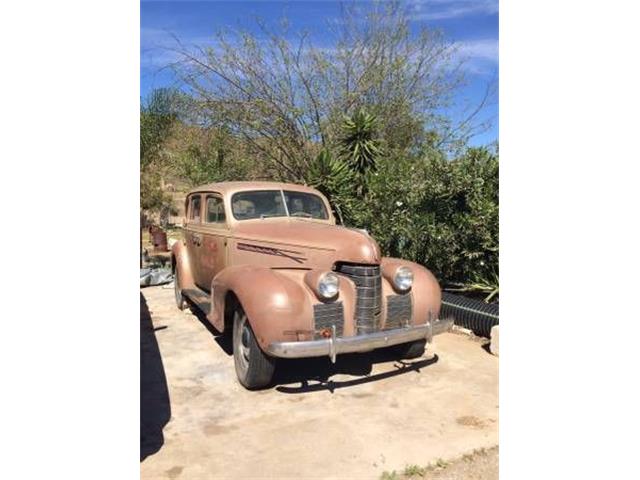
[
  {"x": 269, "y": 203},
  {"x": 305, "y": 205}
]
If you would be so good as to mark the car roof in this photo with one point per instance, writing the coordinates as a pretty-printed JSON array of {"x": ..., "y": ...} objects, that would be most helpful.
[{"x": 229, "y": 188}]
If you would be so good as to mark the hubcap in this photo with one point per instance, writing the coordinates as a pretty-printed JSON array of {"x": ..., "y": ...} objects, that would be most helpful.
[{"x": 243, "y": 342}]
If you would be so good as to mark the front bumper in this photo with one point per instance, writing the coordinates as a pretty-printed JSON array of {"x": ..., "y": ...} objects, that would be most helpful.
[{"x": 360, "y": 343}]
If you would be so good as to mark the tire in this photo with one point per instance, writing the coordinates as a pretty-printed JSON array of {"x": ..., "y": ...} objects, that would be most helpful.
[
  {"x": 411, "y": 349},
  {"x": 180, "y": 301},
  {"x": 253, "y": 368}
]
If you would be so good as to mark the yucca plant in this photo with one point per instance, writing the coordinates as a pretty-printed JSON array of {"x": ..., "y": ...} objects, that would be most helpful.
[
  {"x": 331, "y": 176},
  {"x": 358, "y": 144}
]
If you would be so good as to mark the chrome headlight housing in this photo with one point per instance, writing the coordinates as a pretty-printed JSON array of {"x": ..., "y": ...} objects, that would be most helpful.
[
  {"x": 328, "y": 285},
  {"x": 403, "y": 279}
]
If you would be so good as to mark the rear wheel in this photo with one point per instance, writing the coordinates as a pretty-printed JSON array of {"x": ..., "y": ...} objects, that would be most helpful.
[
  {"x": 253, "y": 368},
  {"x": 180, "y": 302},
  {"x": 411, "y": 349}
]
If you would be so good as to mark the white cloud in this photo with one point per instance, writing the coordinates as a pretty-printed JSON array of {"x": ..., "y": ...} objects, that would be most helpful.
[
  {"x": 158, "y": 47},
  {"x": 483, "y": 49},
  {"x": 445, "y": 9},
  {"x": 480, "y": 56}
]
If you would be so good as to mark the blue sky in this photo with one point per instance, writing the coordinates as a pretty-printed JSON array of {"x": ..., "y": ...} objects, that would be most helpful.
[{"x": 472, "y": 24}]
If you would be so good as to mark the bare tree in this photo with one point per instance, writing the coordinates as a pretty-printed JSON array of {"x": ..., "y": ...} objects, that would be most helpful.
[{"x": 287, "y": 97}]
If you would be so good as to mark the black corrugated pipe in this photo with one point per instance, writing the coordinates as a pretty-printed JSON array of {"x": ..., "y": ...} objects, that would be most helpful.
[{"x": 475, "y": 315}]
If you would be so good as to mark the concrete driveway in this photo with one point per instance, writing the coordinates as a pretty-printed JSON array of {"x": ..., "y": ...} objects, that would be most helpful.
[{"x": 367, "y": 414}]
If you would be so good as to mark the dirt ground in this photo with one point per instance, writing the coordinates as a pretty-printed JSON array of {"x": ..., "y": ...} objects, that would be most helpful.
[{"x": 367, "y": 416}]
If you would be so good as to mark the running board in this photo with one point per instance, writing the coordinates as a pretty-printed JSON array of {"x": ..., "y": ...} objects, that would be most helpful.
[{"x": 200, "y": 298}]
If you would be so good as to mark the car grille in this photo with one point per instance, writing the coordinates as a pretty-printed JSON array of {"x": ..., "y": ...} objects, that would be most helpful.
[
  {"x": 398, "y": 311},
  {"x": 326, "y": 315},
  {"x": 369, "y": 294}
]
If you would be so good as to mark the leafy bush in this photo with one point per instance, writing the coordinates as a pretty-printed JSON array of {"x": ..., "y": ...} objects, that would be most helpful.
[{"x": 438, "y": 212}]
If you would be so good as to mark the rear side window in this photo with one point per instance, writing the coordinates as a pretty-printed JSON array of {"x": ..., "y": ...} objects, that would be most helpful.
[
  {"x": 194, "y": 209},
  {"x": 215, "y": 210}
]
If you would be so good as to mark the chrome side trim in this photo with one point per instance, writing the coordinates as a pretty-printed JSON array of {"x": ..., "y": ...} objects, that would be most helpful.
[{"x": 359, "y": 343}]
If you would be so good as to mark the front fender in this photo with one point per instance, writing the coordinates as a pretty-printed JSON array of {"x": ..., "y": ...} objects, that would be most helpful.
[
  {"x": 278, "y": 304},
  {"x": 425, "y": 291}
]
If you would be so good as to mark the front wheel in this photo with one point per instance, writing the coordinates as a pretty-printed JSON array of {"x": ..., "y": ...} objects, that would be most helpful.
[
  {"x": 411, "y": 349},
  {"x": 253, "y": 368}
]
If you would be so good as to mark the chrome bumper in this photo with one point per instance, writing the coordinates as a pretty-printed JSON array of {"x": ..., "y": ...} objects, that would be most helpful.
[{"x": 360, "y": 343}]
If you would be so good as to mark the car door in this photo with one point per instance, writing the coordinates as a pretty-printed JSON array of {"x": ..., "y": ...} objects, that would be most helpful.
[
  {"x": 214, "y": 239},
  {"x": 192, "y": 235}
]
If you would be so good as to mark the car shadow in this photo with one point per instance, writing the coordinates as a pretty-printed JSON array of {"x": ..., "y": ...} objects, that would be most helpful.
[
  {"x": 222, "y": 339},
  {"x": 320, "y": 370},
  {"x": 314, "y": 374},
  {"x": 155, "y": 406}
]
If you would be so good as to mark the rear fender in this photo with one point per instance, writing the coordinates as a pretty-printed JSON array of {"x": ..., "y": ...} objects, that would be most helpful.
[{"x": 180, "y": 261}]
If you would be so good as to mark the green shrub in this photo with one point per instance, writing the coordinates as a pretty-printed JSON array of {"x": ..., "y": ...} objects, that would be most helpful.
[{"x": 438, "y": 212}]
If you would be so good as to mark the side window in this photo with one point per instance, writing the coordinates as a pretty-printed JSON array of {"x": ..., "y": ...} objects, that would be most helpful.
[
  {"x": 194, "y": 209},
  {"x": 215, "y": 210}
]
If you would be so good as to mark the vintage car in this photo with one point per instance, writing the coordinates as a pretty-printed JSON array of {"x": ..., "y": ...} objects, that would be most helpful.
[{"x": 267, "y": 262}]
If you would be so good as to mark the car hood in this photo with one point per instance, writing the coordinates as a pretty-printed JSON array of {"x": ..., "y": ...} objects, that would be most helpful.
[{"x": 344, "y": 244}]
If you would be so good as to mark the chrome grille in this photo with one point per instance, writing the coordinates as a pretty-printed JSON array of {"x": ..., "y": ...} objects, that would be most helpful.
[
  {"x": 369, "y": 294},
  {"x": 398, "y": 311},
  {"x": 327, "y": 314}
]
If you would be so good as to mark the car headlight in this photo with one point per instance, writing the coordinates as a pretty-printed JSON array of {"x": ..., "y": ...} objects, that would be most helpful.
[
  {"x": 403, "y": 278},
  {"x": 328, "y": 285}
]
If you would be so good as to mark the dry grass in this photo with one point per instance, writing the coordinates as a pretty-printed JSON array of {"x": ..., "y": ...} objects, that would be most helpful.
[{"x": 480, "y": 463}]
